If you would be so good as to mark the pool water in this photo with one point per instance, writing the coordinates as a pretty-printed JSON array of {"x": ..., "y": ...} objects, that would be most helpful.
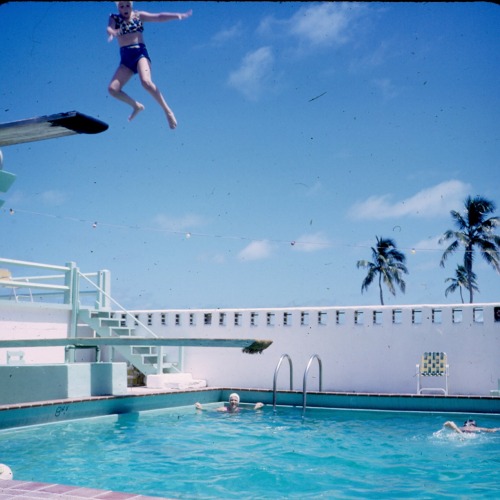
[{"x": 182, "y": 453}]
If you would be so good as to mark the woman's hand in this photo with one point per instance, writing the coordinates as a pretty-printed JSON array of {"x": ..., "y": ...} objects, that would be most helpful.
[
  {"x": 112, "y": 33},
  {"x": 187, "y": 14}
]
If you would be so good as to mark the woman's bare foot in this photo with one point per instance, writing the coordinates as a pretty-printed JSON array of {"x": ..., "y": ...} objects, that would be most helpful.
[
  {"x": 137, "y": 109},
  {"x": 171, "y": 119}
]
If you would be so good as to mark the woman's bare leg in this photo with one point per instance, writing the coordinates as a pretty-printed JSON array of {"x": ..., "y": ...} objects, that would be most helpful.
[
  {"x": 144, "y": 70},
  {"x": 120, "y": 78}
]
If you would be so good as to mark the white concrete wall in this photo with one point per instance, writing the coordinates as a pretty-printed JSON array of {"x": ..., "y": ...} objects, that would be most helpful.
[
  {"x": 31, "y": 321},
  {"x": 43, "y": 382},
  {"x": 358, "y": 354}
]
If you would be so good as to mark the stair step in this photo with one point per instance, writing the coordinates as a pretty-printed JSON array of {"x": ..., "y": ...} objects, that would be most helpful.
[
  {"x": 101, "y": 314},
  {"x": 144, "y": 350},
  {"x": 109, "y": 322},
  {"x": 121, "y": 331},
  {"x": 153, "y": 360},
  {"x": 167, "y": 366}
]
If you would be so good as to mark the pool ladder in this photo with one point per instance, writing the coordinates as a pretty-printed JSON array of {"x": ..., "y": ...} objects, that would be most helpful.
[
  {"x": 304, "y": 384},
  {"x": 278, "y": 366}
]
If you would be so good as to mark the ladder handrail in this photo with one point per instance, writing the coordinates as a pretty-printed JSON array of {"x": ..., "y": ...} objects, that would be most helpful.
[
  {"x": 278, "y": 366},
  {"x": 159, "y": 366},
  {"x": 304, "y": 385},
  {"x": 122, "y": 309}
]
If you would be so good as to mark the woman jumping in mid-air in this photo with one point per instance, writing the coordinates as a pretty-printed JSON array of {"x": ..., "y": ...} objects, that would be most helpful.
[{"x": 127, "y": 27}]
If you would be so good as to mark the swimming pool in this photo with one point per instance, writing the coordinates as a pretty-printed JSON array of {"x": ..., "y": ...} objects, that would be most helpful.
[{"x": 181, "y": 453}]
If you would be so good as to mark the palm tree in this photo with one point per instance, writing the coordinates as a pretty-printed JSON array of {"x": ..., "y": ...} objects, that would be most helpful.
[
  {"x": 474, "y": 230},
  {"x": 388, "y": 264},
  {"x": 461, "y": 280}
]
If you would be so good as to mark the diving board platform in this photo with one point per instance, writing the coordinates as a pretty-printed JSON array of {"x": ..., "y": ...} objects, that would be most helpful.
[
  {"x": 49, "y": 127},
  {"x": 248, "y": 345}
]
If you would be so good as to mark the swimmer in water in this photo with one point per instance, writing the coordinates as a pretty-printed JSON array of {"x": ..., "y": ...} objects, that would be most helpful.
[
  {"x": 469, "y": 427},
  {"x": 234, "y": 401}
]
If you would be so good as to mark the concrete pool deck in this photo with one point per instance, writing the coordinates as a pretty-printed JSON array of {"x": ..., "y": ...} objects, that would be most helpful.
[{"x": 12, "y": 489}]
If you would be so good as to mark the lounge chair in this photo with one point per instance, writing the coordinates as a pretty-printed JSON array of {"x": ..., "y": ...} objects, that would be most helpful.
[{"x": 433, "y": 364}]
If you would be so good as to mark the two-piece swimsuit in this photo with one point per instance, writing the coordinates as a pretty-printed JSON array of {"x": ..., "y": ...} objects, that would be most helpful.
[{"x": 130, "y": 54}]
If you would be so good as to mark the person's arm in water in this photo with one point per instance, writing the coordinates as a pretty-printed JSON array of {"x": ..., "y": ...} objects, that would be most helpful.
[
  {"x": 487, "y": 429},
  {"x": 257, "y": 406},
  {"x": 453, "y": 426},
  {"x": 470, "y": 428}
]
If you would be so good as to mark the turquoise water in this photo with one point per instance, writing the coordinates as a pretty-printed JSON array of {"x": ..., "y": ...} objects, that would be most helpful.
[{"x": 181, "y": 453}]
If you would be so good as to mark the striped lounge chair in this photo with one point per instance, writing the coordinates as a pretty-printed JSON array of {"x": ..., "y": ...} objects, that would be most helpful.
[{"x": 435, "y": 365}]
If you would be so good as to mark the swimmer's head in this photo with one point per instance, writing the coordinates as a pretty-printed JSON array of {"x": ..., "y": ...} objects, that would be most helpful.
[
  {"x": 125, "y": 9},
  {"x": 234, "y": 398},
  {"x": 130, "y": 3},
  {"x": 470, "y": 422}
]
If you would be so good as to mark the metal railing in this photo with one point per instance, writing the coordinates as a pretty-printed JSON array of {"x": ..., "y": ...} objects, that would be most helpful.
[
  {"x": 304, "y": 385},
  {"x": 136, "y": 320},
  {"x": 57, "y": 288},
  {"x": 278, "y": 366},
  {"x": 66, "y": 288}
]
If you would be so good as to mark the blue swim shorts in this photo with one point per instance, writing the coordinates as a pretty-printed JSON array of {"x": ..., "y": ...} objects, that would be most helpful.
[{"x": 131, "y": 54}]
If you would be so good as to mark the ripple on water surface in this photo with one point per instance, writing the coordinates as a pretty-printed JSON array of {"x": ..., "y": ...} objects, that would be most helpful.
[{"x": 329, "y": 454}]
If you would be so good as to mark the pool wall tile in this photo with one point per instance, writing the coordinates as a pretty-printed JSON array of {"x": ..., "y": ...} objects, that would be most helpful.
[{"x": 62, "y": 410}]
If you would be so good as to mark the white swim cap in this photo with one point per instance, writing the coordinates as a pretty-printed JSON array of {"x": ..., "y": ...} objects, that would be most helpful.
[
  {"x": 234, "y": 396},
  {"x": 5, "y": 472}
]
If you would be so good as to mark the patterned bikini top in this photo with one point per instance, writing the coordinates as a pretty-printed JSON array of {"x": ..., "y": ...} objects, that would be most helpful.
[{"x": 133, "y": 25}]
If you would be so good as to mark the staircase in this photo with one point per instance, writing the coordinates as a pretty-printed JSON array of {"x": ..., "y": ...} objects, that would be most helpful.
[{"x": 145, "y": 359}]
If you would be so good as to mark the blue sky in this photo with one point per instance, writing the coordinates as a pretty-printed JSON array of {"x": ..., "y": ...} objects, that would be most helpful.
[{"x": 305, "y": 131}]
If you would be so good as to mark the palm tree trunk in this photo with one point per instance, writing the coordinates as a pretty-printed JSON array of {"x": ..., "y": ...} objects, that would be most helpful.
[
  {"x": 468, "y": 268},
  {"x": 380, "y": 288}
]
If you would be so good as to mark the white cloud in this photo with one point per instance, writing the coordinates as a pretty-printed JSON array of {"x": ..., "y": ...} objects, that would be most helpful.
[
  {"x": 53, "y": 197},
  {"x": 325, "y": 23},
  {"x": 386, "y": 87},
  {"x": 377, "y": 56},
  {"x": 228, "y": 34},
  {"x": 311, "y": 242},
  {"x": 181, "y": 223},
  {"x": 256, "y": 250},
  {"x": 431, "y": 202},
  {"x": 213, "y": 258},
  {"x": 429, "y": 244},
  {"x": 250, "y": 78}
]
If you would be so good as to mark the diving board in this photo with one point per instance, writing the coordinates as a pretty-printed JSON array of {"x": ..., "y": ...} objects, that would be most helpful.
[
  {"x": 49, "y": 127},
  {"x": 249, "y": 346}
]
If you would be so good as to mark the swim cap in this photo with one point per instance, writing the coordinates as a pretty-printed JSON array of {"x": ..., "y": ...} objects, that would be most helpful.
[
  {"x": 234, "y": 395},
  {"x": 5, "y": 472}
]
